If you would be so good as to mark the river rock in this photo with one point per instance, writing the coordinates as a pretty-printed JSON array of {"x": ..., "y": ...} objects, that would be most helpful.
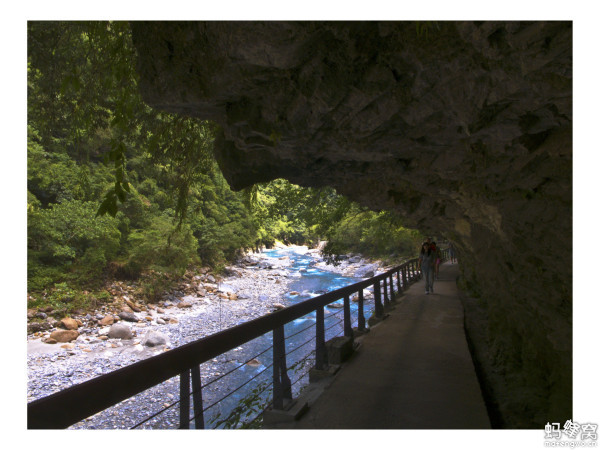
[
  {"x": 120, "y": 331},
  {"x": 106, "y": 320},
  {"x": 69, "y": 323},
  {"x": 130, "y": 303},
  {"x": 184, "y": 304},
  {"x": 278, "y": 306},
  {"x": 232, "y": 272},
  {"x": 64, "y": 335},
  {"x": 128, "y": 316},
  {"x": 248, "y": 261},
  {"x": 154, "y": 338},
  {"x": 366, "y": 271},
  {"x": 201, "y": 292},
  {"x": 35, "y": 327}
]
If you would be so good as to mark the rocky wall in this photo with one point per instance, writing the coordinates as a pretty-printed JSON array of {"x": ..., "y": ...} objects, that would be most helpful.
[{"x": 463, "y": 127}]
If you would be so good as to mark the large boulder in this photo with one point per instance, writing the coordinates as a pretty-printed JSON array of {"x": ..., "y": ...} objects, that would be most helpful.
[
  {"x": 120, "y": 331},
  {"x": 106, "y": 320},
  {"x": 34, "y": 327},
  {"x": 366, "y": 271},
  {"x": 154, "y": 338},
  {"x": 69, "y": 324},
  {"x": 128, "y": 316},
  {"x": 64, "y": 335},
  {"x": 232, "y": 272}
]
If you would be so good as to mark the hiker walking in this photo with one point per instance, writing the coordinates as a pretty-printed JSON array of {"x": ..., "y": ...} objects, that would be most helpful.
[
  {"x": 452, "y": 253},
  {"x": 427, "y": 266}
]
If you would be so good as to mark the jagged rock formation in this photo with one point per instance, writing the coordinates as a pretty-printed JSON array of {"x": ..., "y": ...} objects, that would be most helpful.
[{"x": 465, "y": 128}]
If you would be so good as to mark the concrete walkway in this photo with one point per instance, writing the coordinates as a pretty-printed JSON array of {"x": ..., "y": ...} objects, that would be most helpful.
[{"x": 411, "y": 371}]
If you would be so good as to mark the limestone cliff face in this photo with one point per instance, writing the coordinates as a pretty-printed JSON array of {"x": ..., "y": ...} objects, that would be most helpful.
[{"x": 463, "y": 127}]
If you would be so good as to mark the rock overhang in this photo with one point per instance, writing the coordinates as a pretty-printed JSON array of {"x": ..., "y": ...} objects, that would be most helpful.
[{"x": 465, "y": 128}]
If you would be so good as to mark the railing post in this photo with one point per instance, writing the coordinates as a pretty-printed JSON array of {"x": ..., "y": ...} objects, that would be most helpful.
[
  {"x": 197, "y": 396},
  {"x": 320, "y": 351},
  {"x": 361, "y": 312},
  {"x": 386, "y": 299},
  {"x": 282, "y": 387},
  {"x": 347, "y": 317},
  {"x": 377, "y": 295},
  {"x": 398, "y": 282},
  {"x": 404, "y": 280},
  {"x": 184, "y": 400}
]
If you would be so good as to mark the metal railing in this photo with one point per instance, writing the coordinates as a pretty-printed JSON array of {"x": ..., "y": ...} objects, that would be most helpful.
[{"x": 74, "y": 404}]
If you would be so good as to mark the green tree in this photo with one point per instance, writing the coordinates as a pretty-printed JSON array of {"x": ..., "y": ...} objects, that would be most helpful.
[{"x": 68, "y": 237}]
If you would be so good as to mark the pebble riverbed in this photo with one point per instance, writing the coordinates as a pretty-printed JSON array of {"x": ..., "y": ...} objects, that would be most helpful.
[{"x": 51, "y": 367}]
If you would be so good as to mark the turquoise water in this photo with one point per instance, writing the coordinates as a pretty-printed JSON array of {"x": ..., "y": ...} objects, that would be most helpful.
[{"x": 309, "y": 281}]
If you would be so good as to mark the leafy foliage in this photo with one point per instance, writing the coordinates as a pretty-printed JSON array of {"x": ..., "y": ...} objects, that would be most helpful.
[
  {"x": 378, "y": 235},
  {"x": 118, "y": 189},
  {"x": 161, "y": 246}
]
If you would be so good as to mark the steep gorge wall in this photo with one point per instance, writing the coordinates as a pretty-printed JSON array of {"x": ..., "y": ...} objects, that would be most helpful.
[{"x": 465, "y": 128}]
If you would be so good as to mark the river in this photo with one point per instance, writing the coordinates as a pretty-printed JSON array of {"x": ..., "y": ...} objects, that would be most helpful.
[
  {"x": 308, "y": 281},
  {"x": 242, "y": 376}
]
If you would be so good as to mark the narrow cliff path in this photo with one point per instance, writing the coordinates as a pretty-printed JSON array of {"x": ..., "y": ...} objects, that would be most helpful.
[{"x": 411, "y": 371}]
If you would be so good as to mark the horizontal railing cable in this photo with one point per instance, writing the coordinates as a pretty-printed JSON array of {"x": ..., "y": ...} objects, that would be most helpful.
[
  {"x": 301, "y": 345},
  {"x": 260, "y": 391},
  {"x": 155, "y": 414},
  {"x": 237, "y": 368},
  {"x": 239, "y": 387},
  {"x": 299, "y": 332}
]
